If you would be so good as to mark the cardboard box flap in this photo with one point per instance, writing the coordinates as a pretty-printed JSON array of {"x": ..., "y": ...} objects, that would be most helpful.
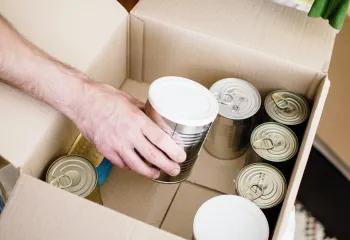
[
  {"x": 60, "y": 215},
  {"x": 136, "y": 196},
  {"x": 89, "y": 35},
  {"x": 72, "y": 31},
  {"x": 302, "y": 158},
  {"x": 259, "y": 25}
]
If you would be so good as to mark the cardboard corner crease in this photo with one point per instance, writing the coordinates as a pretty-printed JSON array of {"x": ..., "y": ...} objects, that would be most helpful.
[{"x": 269, "y": 45}]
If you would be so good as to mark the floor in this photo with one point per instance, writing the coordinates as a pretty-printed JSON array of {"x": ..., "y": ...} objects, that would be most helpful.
[{"x": 325, "y": 192}]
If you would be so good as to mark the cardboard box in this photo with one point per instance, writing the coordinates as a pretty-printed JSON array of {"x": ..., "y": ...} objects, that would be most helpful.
[{"x": 267, "y": 44}]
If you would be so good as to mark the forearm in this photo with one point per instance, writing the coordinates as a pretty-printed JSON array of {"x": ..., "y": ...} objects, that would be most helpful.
[{"x": 28, "y": 68}]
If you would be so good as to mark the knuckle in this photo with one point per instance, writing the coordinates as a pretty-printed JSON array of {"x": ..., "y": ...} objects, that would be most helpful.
[
  {"x": 133, "y": 165},
  {"x": 152, "y": 155},
  {"x": 160, "y": 139}
]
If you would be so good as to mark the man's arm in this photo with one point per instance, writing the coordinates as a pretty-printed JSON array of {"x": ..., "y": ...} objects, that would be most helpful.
[{"x": 109, "y": 118}]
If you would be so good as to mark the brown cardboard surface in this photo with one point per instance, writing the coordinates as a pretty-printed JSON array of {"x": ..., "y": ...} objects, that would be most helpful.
[
  {"x": 334, "y": 126},
  {"x": 302, "y": 158},
  {"x": 266, "y": 44},
  {"x": 216, "y": 173},
  {"x": 94, "y": 42},
  {"x": 137, "y": 197},
  {"x": 188, "y": 199},
  {"x": 39, "y": 211},
  {"x": 178, "y": 39},
  {"x": 137, "y": 89}
]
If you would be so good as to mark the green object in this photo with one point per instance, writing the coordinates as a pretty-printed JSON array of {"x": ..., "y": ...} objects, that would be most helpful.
[{"x": 332, "y": 10}]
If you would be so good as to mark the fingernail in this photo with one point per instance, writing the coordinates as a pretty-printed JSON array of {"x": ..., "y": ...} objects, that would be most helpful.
[
  {"x": 181, "y": 157},
  {"x": 176, "y": 171},
  {"x": 156, "y": 174}
]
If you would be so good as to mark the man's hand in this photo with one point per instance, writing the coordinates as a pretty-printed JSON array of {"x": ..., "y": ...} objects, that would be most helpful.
[
  {"x": 110, "y": 118},
  {"x": 115, "y": 123}
]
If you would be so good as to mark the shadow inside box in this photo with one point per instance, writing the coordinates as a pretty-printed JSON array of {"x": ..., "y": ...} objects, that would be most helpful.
[{"x": 325, "y": 192}]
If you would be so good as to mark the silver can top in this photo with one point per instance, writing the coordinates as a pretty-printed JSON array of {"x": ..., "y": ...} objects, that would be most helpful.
[
  {"x": 238, "y": 99},
  {"x": 287, "y": 107},
  {"x": 274, "y": 142},
  {"x": 261, "y": 183},
  {"x": 74, "y": 174}
]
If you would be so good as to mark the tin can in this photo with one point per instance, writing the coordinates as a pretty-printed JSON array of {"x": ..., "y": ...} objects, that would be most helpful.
[
  {"x": 262, "y": 184},
  {"x": 76, "y": 175},
  {"x": 82, "y": 147},
  {"x": 239, "y": 101},
  {"x": 273, "y": 143},
  {"x": 288, "y": 108},
  {"x": 3, "y": 197},
  {"x": 185, "y": 110},
  {"x": 228, "y": 217}
]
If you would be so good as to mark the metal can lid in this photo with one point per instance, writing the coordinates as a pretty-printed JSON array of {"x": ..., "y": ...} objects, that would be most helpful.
[
  {"x": 261, "y": 183},
  {"x": 228, "y": 217},
  {"x": 287, "y": 107},
  {"x": 238, "y": 99},
  {"x": 74, "y": 174},
  {"x": 274, "y": 142},
  {"x": 183, "y": 101}
]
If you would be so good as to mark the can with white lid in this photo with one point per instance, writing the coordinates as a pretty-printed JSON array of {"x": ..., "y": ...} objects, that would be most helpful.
[
  {"x": 76, "y": 175},
  {"x": 288, "y": 108},
  {"x": 262, "y": 184},
  {"x": 229, "y": 217},
  {"x": 239, "y": 101},
  {"x": 185, "y": 110},
  {"x": 273, "y": 143}
]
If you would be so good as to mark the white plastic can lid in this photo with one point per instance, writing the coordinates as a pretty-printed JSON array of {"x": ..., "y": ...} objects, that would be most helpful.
[
  {"x": 183, "y": 101},
  {"x": 230, "y": 217}
]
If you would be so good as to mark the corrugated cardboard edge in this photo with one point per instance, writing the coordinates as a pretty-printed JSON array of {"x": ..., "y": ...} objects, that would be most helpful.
[
  {"x": 51, "y": 207},
  {"x": 302, "y": 159},
  {"x": 137, "y": 13},
  {"x": 136, "y": 35}
]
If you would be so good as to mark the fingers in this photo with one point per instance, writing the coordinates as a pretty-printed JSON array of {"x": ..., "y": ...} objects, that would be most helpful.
[
  {"x": 116, "y": 159},
  {"x": 163, "y": 141},
  {"x": 135, "y": 163},
  {"x": 153, "y": 155}
]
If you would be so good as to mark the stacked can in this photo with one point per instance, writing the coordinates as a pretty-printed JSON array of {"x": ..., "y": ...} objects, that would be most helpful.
[
  {"x": 229, "y": 217},
  {"x": 185, "y": 110},
  {"x": 76, "y": 175},
  {"x": 288, "y": 108},
  {"x": 273, "y": 143},
  {"x": 264, "y": 185},
  {"x": 239, "y": 101}
]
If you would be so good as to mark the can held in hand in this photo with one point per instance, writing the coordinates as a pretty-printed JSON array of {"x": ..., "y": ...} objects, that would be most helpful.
[
  {"x": 76, "y": 175},
  {"x": 82, "y": 147},
  {"x": 273, "y": 143},
  {"x": 228, "y": 217},
  {"x": 185, "y": 110},
  {"x": 288, "y": 108},
  {"x": 262, "y": 184},
  {"x": 239, "y": 101}
]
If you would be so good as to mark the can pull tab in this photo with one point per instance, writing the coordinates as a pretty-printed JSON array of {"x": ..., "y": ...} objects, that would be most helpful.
[
  {"x": 281, "y": 102},
  {"x": 224, "y": 98},
  {"x": 254, "y": 192},
  {"x": 264, "y": 143},
  {"x": 56, "y": 182}
]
